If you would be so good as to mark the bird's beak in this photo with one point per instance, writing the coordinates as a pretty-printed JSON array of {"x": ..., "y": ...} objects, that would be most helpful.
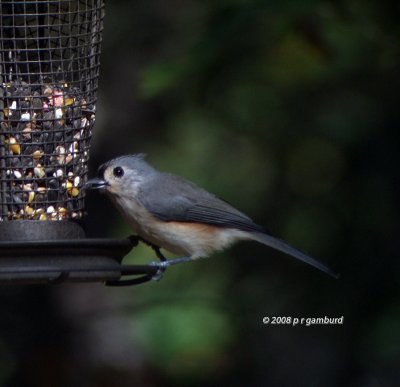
[{"x": 95, "y": 183}]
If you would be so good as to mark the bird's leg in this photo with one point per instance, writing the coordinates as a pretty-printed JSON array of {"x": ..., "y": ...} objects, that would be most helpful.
[
  {"x": 160, "y": 256},
  {"x": 155, "y": 248},
  {"x": 164, "y": 262}
]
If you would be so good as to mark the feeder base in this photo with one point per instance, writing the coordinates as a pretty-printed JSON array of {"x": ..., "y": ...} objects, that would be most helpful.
[
  {"x": 76, "y": 260},
  {"x": 57, "y": 251},
  {"x": 37, "y": 230}
]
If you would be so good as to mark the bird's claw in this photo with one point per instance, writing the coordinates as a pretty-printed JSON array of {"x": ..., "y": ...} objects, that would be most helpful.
[
  {"x": 162, "y": 266},
  {"x": 161, "y": 269}
]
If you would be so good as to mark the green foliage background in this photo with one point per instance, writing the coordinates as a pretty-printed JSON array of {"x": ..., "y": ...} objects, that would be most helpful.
[{"x": 289, "y": 111}]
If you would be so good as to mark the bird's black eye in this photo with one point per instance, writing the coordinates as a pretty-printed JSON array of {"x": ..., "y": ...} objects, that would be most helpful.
[{"x": 118, "y": 172}]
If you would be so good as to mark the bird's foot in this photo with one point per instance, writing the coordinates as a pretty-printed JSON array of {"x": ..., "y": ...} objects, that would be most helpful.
[
  {"x": 160, "y": 271},
  {"x": 170, "y": 262},
  {"x": 163, "y": 265},
  {"x": 164, "y": 262}
]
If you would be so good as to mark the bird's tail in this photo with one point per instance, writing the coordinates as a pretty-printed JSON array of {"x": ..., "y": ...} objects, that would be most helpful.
[{"x": 286, "y": 248}]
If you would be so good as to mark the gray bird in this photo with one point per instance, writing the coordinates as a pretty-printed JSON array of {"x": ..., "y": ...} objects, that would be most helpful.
[{"x": 173, "y": 213}]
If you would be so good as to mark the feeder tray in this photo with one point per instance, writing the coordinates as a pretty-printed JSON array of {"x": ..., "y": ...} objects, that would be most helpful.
[
  {"x": 49, "y": 68},
  {"x": 77, "y": 259}
]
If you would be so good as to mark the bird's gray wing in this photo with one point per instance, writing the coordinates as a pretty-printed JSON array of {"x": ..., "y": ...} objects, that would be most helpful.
[{"x": 172, "y": 198}]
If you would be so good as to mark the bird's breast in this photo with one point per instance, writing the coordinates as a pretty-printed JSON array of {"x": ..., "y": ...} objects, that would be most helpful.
[{"x": 188, "y": 238}]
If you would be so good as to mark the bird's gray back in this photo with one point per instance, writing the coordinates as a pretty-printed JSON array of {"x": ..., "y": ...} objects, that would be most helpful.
[{"x": 173, "y": 198}]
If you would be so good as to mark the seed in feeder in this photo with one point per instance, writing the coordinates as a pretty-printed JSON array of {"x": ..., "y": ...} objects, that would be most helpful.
[
  {"x": 39, "y": 171},
  {"x": 14, "y": 147},
  {"x": 60, "y": 152},
  {"x": 31, "y": 196},
  {"x": 43, "y": 217},
  {"x": 50, "y": 209},
  {"x": 18, "y": 174},
  {"x": 62, "y": 212},
  {"x": 38, "y": 212},
  {"x": 29, "y": 210},
  {"x": 26, "y": 133},
  {"x": 25, "y": 116},
  {"x": 68, "y": 159},
  {"x": 50, "y": 124},
  {"x": 58, "y": 113},
  {"x": 37, "y": 154},
  {"x": 58, "y": 98},
  {"x": 74, "y": 192},
  {"x": 47, "y": 91}
]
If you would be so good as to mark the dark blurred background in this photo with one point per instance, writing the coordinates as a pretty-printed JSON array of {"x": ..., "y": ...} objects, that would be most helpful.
[{"x": 289, "y": 110}]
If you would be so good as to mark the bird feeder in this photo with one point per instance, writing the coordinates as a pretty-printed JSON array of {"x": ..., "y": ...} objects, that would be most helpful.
[{"x": 49, "y": 69}]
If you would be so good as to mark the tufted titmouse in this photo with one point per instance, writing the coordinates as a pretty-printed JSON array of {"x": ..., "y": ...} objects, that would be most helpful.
[{"x": 175, "y": 214}]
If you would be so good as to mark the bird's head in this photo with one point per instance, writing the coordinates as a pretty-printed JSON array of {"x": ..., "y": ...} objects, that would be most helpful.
[{"x": 121, "y": 176}]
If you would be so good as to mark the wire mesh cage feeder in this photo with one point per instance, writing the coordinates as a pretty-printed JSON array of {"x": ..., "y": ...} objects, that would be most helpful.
[{"x": 49, "y": 68}]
